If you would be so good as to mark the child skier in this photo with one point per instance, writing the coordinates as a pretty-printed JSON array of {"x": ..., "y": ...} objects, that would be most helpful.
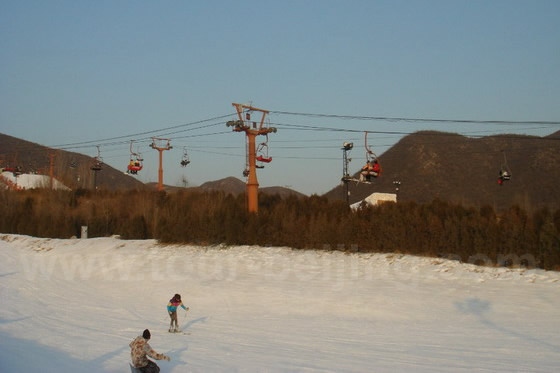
[{"x": 172, "y": 310}]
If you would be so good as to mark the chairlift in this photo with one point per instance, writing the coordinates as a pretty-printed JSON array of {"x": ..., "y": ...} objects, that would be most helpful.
[
  {"x": 262, "y": 151},
  {"x": 135, "y": 163},
  {"x": 505, "y": 172},
  {"x": 98, "y": 161},
  {"x": 346, "y": 178},
  {"x": 372, "y": 168},
  {"x": 185, "y": 160}
]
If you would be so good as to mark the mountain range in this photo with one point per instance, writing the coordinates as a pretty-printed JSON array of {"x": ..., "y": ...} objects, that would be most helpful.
[
  {"x": 431, "y": 165},
  {"x": 421, "y": 167}
]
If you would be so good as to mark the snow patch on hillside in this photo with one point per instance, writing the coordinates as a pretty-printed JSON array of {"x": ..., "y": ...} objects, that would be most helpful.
[
  {"x": 375, "y": 199},
  {"x": 31, "y": 181}
]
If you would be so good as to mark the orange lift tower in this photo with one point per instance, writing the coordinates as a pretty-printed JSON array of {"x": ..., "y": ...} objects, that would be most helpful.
[
  {"x": 252, "y": 130},
  {"x": 154, "y": 145}
]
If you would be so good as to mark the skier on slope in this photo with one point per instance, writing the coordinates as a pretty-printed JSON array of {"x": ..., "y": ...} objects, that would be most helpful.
[
  {"x": 139, "y": 348},
  {"x": 172, "y": 310}
]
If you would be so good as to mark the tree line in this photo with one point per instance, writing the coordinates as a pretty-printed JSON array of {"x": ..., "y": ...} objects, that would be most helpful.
[{"x": 481, "y": 235}]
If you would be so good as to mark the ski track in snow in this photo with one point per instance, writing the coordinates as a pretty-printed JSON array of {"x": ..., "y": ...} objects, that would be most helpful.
[{"x": 74, "y": 305}]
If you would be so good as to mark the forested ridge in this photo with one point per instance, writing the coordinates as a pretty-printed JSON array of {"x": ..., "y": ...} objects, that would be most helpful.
[{"x": 438, "y": 228}]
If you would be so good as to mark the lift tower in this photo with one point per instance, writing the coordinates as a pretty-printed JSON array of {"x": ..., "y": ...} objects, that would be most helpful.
[
  {"x": 52, "y": 155},
  {"x": 346, "y": 178},
  {"x": 157, "y": 144},
  {"x": 252, "y": 130}
]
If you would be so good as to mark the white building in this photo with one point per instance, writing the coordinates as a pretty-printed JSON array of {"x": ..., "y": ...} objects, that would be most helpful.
[{"x": 376, "y": 198}]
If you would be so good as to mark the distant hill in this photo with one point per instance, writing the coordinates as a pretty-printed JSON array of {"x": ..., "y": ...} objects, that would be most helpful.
[
  {"x": 228, "y": 185},
  {"x": 236, "y": 186},
  {"x": 281, "y": 191},
  {"x": 72, "y": 169},
  {"x": 555, "y": 135},
  {"x": 456, "y": 168}
]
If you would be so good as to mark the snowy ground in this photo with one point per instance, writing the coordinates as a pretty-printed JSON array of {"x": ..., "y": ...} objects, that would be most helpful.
[
  {"x": 74, "y": 305},
  {"x": 31, "y": 181}
]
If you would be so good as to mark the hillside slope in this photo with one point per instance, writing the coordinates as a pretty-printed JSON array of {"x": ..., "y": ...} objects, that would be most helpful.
[
  {"x": 452, "y": 167},
  {"x": 72, "y": 169},
  {"x": 236, "y": 186}
]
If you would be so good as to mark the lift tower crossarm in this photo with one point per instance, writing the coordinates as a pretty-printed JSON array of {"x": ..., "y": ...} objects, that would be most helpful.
[{"x": 241, "y": 107}]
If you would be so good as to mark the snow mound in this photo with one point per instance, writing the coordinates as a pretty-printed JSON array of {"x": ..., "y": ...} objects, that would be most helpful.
[
  {"x": 375, "y": 199},
  {"x": 31, "y": 181}
]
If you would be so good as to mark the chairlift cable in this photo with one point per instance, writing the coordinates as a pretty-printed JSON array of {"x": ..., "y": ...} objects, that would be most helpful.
[
  {"x": 404, "y": 119},
  {"x": 141, "y": 133}
]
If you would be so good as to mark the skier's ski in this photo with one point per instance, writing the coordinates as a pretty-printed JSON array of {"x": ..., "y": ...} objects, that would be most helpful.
[{"x": 179, "y": 332}]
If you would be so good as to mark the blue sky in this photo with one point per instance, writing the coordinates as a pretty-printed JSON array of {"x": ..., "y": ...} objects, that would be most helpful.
[{"x": 75, "y": 71}]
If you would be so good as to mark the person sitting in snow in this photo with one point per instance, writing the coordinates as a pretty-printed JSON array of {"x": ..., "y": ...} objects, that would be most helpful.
[
  {"x": 172, "y": 310},
  {"x": 139, "y": 348}
]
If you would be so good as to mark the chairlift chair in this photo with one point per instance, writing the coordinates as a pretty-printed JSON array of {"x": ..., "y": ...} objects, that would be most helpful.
[
  {"x": 372, "y": 168},
  {"x": 135, "y": 163},
  {"x": 185, "y": 160},
  {"x": 262, "y": 151},
  {"x": 98, "y": 161},
  {"x": 134, "y": 166},
  {"x": 96, "y": 166},
  {"x": 505, "y": 172}
]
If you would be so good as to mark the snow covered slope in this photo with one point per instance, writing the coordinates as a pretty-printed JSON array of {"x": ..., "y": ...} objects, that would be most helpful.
[
  {"x": 31, "y": 181},
  {"x": 74, "y": 305}
]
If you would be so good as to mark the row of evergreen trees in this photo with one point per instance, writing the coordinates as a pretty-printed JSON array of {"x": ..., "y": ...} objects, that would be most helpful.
[{"x": 435, "y": 229}]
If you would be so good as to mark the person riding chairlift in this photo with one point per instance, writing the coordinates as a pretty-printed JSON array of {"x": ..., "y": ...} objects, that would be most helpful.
[
  {"x": 134, "y": 166},
  {"x": 371, "y": 169},
  {"x": 503, "y": 176},
  {"x": 131, "y": 167}
]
